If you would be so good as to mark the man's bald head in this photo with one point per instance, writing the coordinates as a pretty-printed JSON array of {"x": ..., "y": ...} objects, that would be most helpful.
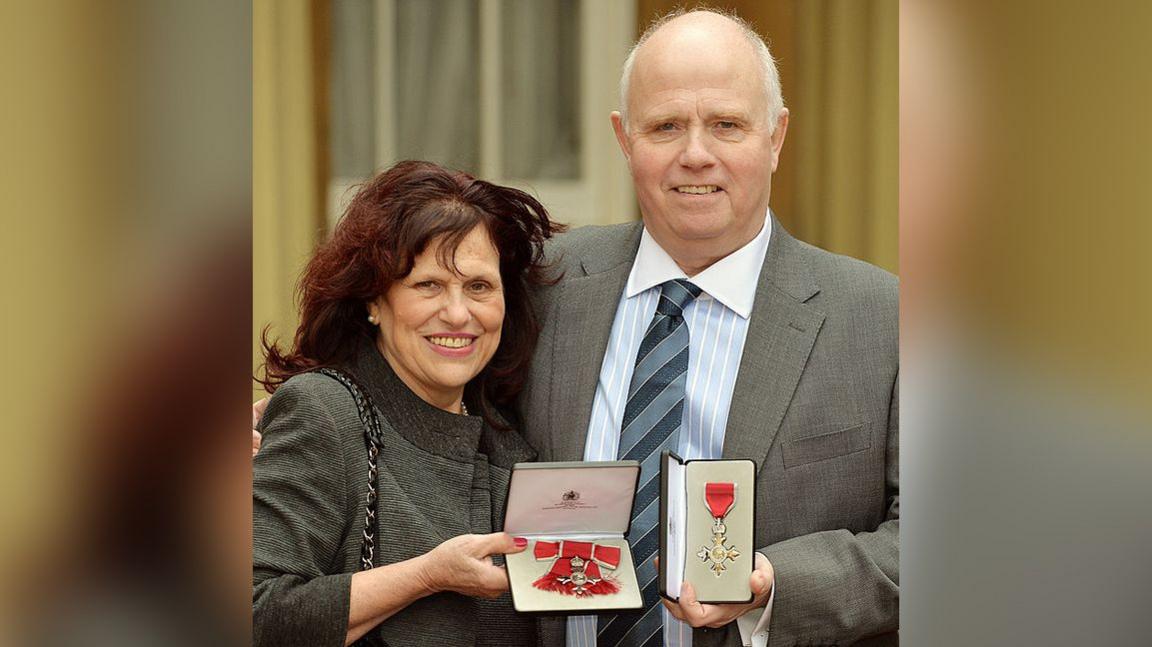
[
  {"x": 705, "y": 28},
  {"x": 704, "y": 135}
]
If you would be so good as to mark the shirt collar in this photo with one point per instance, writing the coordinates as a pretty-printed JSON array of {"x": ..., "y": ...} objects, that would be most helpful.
[{"x": 730, "y": 280}]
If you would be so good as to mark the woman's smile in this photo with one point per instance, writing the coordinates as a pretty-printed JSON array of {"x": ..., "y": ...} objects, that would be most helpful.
[{"x": 452, "y": 344}]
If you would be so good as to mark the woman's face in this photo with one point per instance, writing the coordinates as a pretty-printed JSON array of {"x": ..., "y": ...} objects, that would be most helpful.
[{"x": 438, "y": 326}]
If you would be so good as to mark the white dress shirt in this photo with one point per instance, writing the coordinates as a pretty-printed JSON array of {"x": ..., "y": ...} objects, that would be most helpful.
[{"x": 717, "y": 325}]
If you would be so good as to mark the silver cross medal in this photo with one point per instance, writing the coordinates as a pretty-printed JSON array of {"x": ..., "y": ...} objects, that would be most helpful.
[
  {"x": 718, "y": 553},
  {"x": 578, "y": 579}
]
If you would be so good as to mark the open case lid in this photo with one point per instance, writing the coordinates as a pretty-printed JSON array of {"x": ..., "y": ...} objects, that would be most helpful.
[
  {"x": 673, "y": 510},
  {"x": 571, "y": 498}
]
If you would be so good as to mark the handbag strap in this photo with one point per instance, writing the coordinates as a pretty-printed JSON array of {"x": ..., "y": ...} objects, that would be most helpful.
[{"x": 373, "y": 440}]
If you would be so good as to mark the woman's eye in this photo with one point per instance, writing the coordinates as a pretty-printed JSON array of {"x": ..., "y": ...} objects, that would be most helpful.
[
  {"x": 425, "y": 285},
  {"x": 479, "y": 286}
]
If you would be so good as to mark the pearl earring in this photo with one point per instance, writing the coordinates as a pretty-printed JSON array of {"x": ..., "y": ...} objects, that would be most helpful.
[{"x": 372, "y": 319}]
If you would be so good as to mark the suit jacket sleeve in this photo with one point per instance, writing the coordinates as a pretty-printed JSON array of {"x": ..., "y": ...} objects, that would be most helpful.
[
  {"x": 299, "y": 596},
  {"x": 836, "y": 587}
]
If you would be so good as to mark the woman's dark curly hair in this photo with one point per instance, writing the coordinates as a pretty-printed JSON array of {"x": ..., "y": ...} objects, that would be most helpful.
[{"x": 392, "y": 220}]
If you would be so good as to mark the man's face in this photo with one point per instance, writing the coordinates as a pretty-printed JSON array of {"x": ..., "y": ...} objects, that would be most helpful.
[{"x": 700, "y": 145}]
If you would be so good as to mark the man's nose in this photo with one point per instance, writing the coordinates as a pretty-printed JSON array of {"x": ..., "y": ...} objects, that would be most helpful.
[
  {"x": 454, "y": 310},
  {"x": 697, "y": 152}
]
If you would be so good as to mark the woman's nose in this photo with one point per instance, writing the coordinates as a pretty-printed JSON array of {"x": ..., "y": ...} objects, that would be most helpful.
[{"x": 454, "y": 311}]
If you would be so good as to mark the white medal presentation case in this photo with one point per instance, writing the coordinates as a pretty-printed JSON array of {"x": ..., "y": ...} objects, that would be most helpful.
[
  {"x": 707, "y": 514},
  {"x": 575, "y": 516}
]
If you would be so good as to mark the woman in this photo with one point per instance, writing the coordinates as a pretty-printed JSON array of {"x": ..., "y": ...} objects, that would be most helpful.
[{"x": 421, "y": 297}]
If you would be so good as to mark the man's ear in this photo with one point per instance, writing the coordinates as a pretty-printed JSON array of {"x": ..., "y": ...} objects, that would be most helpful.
[
  {"x": 621, "y": 136},
  {"x": 778, "y": 137}
]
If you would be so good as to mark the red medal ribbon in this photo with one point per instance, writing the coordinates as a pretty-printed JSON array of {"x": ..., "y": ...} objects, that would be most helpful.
[
  {"x": 607, "y": 555},
  {"x": 546, "y": 549},
  {"x": 720, "y": 497},
  {"x": 563, "y": 552}
]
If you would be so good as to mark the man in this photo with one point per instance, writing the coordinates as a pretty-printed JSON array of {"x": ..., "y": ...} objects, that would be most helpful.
[{"x": 792, "y": 357}]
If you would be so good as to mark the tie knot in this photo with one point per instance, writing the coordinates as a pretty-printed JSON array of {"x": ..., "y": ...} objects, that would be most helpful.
[{"x": 675, "y": 295}]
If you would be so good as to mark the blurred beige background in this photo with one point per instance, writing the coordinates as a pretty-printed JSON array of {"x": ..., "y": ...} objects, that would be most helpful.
[
  {"x": 126, "y": 324},
  {"x": 519, "y": 92}
]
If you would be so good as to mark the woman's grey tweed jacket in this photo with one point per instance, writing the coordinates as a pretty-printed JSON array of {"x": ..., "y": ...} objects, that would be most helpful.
[{"x": 441, "y": 475}]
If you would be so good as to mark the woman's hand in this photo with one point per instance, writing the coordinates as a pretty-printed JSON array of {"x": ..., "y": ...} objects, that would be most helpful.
[
  {"x": 464, "y": 564},
  {"x": 258, "y": 408}
]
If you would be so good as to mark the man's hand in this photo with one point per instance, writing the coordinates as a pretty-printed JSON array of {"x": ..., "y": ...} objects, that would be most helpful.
[
  {"x": 717, "y": 615},
  {"x": 258, "y": 408}
]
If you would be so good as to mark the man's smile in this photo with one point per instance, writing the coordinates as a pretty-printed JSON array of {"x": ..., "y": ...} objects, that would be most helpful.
[{"x": 698, "y": 189}]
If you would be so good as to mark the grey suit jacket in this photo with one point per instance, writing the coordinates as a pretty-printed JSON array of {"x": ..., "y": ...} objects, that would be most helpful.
[{"x": 815, "y": 405}]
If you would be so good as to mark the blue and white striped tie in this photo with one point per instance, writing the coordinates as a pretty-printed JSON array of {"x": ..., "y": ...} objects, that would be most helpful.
[{"x": 651, "y": 424}]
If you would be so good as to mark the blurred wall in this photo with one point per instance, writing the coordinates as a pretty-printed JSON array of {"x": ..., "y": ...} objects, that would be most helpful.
[{"x": 289, "y": 156}]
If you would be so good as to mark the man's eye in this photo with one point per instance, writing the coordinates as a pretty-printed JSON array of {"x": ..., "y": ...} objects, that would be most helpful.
[
  {"x": 667, "y": 126},
  {"x": 726, "y": 125}
]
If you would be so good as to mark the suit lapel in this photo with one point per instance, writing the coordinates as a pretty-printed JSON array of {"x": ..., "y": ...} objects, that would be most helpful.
[
  {"x": 781, "y": 333},
  {"x": 585, "y": 314}
]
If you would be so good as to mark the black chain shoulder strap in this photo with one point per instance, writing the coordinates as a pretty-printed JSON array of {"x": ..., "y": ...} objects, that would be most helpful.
[{"x": 373, "y": 441}]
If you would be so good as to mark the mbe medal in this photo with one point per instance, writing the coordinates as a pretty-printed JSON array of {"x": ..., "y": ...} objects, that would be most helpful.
[
  {"x": 578, "y": 567},
  {"x": 577, "y": 577},
  {"x": 720, "y": 498}
]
